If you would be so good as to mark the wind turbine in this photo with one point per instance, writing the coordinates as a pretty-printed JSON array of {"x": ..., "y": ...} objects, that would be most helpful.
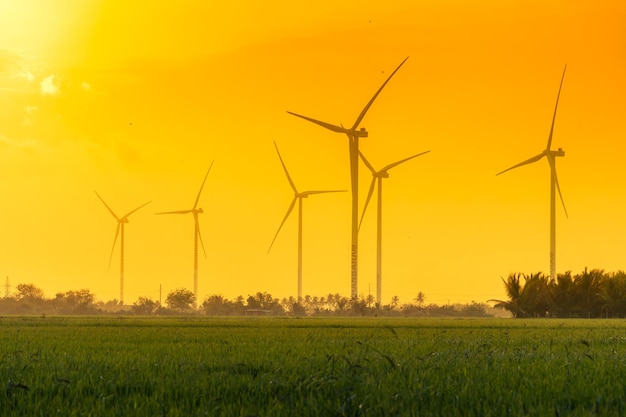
[
  {"x": 353, "y": 145},
  {"x": 121, "y": 221},
  {"x": 298, "y": 196},
  {"x": 377, "y": 177},
  {"x": 196, "y": 233},
  {"x": 554, "y": 182}
]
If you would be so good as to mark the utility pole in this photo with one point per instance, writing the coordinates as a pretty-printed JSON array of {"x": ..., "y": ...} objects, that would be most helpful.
[{"x": 6, "y": 288}]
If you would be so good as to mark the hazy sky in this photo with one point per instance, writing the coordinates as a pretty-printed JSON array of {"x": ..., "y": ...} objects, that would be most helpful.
[{"x": 135, "y": 103}]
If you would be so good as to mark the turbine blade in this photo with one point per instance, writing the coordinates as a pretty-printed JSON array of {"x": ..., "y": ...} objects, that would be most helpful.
[
  {"x": 293, "y": 186},
  {"x": 334, "y": 128},
  {"x": 368, "y": 105},
  {"x": 197, "y": 221},
  {"x": 555, "y": 107},
  {"x": 367, "y": 163},
  {"x": 107, "y": 206},
  {"x": 202, "y": 186},
  {"x": 556, "y": 180},
  {"x": 289, "y": 210},
  {"x": 117, "y": 232},
  {"x": 395, "y": 164},
  {"x": 308, "y": 193},
  {"x": 175, "y": 212},
  {"x": 367, "y": 200},
  {"x": 131, "y": 212},
  {"x": 526, "y": 162}
]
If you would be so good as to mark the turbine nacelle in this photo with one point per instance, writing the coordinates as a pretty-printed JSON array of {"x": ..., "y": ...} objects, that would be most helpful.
[
  {"x": 361, "y": 133},
  {"x": 559, "y": 152}
]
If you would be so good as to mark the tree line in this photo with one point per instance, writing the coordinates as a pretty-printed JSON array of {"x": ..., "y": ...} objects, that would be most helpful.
[
  {"x": 590, "y": 294},
  {"x": 29, "y": 299}
]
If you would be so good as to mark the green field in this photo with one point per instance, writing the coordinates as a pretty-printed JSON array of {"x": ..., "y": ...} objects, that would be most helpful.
[{"x": 69, "y": 366}]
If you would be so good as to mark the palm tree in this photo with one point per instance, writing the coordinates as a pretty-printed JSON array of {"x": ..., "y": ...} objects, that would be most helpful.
[
  {"x": 323, "y": 302},
  {"x": 306, "y": 301},
  {"x": 563, "y": 295},
  {"x": 420, "y": 298},
  {"x": 587, "y": 287},
  {"x": 536, "y": 299},
  {"x": 341, "y": 301},
  {"x": 613, "y": 294},
  {"x": 513, "y": 290},
  {"x": 330, "y": 300}
]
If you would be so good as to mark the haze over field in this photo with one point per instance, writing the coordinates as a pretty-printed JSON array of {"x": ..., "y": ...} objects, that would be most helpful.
[{"x": 135, "y": 103}]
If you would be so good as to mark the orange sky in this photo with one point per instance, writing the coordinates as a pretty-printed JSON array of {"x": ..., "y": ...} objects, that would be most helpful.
[{"x": 135, "y": 103}]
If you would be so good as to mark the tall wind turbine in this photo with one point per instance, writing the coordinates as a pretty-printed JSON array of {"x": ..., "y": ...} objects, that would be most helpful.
[
  {"x": 377, "y": 177},
  {"x": 195, "y": 210},
  {"x": 298, "y": 196},
  {"x": 353, "y": 133},
  {"x": 554, "y": 182},
  {"x": 121, "y": 221}
]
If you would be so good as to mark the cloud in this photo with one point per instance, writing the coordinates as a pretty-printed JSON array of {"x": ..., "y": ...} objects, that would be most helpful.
[
  {"x": 8, "y": 61},
  {"x": 9, "y": 143},
  {"x": 49, "y": 86},
  {"x": 28, "y": 76},
  {"x": 15, "y": 77},
  {"x": 31, "y": 112}
]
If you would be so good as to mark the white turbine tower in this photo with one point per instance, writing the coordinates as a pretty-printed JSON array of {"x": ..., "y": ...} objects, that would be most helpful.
[
  {"x": 554, "y": 182},
  {"x": 121, "y": 221},
  {"x": 377, "y": 179},
  {"x": 298, "y": 196},
  {"x": 353, "y": 133},
  {"x": 195, "y": 211}
]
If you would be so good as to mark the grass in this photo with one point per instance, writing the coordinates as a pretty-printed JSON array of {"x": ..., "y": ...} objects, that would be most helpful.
[{"x": 311, "y": 367}]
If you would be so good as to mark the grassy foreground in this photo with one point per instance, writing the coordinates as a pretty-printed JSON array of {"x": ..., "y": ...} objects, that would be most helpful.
[{"x": 68, "y": 366}]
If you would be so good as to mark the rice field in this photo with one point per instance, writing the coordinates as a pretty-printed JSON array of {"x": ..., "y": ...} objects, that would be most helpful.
[{"x": 261, "y": 366}]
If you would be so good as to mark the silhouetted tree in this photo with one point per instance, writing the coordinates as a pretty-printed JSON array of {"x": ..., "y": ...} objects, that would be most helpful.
[
  {"x": 473, "y": 309},
  {"x": 563, "y": 295},
  {"x": 29, "y": 292},
  {"x": 341, "y": 302},
  {"x": 593, "y": 293},
  {"x": 180, "y": 300},
  {"x": 216, "y": 305},
  {"x": 420, "y": 298},
  {"x": 264, "y": 301},
  {"x": 75, "y": 302},
  {"x": 145, "y": 306},
  {"x": 613, "y": 295},
  {"x": 535, "y": 295},
  {"x": 292, "y": 307},
  {"x": 513, "y": 288},
  {"x": 588, "y": 293},
  {"x": 29, "y": 299}
]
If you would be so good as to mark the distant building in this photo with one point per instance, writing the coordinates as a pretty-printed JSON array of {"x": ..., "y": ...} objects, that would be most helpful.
[{"x": 258, "y": 312}]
